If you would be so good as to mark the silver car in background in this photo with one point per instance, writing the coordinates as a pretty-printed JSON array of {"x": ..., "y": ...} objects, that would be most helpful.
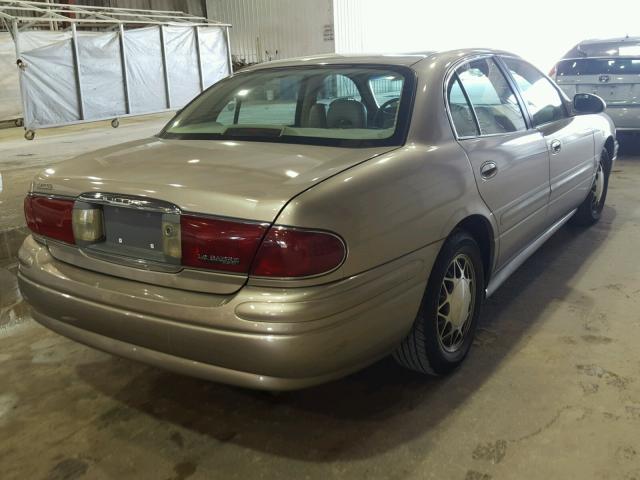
[{"x": 610, "y": 69}]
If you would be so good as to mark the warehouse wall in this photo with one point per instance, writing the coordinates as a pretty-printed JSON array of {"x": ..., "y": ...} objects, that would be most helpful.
[
  {"x": 540, "y": 31},
  {"x": 269, "y": 30}
]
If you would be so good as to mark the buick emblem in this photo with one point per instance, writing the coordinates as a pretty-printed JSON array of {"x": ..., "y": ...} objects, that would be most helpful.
[
  {"x": 124, "y": 201},
  {"x": 603, "y": 78}
]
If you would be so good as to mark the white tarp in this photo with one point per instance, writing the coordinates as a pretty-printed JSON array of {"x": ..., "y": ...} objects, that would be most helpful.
[
  {"x": 10, "y": 103},
  {"x": 101, "y": 75},
  {"x": 213, "y": 50},
  {"x": 144, "y": 68},
  {"x": 182, "y": 62},
  {"x": 50, "y": 81}
]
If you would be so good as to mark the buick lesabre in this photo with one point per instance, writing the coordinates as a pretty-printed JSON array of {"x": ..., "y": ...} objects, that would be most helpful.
[{"x": 301, "y": 219}]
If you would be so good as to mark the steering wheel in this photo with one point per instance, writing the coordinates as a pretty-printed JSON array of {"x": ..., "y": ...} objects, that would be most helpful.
[{"x": 386, "y": 114}]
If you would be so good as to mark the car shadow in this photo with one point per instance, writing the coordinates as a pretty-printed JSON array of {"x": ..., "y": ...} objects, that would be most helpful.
[{"x": 374, "y": 410}]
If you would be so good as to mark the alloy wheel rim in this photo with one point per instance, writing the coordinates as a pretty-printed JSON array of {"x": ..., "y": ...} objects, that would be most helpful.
[
  {"x": 456, "y": 302},
  {"x": 597, "y": 189}
]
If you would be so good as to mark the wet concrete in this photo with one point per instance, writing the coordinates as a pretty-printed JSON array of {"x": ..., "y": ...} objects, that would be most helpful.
[{"x": 551, "y": 389}]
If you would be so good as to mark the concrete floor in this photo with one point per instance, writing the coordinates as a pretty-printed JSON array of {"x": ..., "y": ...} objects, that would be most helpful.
[{"x": 551, "y": 389}]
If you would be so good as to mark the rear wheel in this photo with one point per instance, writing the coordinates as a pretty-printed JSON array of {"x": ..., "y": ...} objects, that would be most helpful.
[
  {"x": 590, "y": 210},
  {"x": 444, "y": 327}
]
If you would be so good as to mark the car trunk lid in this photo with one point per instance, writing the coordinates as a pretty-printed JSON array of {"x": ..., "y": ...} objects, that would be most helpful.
[{"x": 145, "y": 187}]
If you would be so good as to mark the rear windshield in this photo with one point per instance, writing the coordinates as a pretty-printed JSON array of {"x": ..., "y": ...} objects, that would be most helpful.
[
  {"x": 598, "y": 66},
  {"x": 330, "y": 105}
]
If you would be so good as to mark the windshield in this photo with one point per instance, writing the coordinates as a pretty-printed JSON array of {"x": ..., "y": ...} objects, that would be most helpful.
[{"x": 329, "y": 105}]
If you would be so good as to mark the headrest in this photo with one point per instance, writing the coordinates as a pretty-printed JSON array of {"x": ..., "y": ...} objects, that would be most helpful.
[{"x": 346, "y": 113}]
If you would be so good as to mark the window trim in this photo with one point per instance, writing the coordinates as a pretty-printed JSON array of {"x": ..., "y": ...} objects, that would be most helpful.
[
  {"x": 455, "y": 78},
  {"x": 452, "y": 74},
  {"x": 526, "y": 114},
  {"x": 566, "y": 110}
]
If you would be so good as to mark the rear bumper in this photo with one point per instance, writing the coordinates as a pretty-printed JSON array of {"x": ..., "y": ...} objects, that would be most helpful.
[{"x": 267, "y": 338}]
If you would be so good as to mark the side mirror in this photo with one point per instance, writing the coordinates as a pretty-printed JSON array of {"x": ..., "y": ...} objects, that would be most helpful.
[{"x": 588, "y": 103}]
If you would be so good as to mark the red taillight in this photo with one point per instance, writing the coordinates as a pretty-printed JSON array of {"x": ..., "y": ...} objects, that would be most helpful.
[
  {"x": 288, "y": 252},
  {"x": 50, "y": 217},
  {"x": 216, "y": 244},
  {"x": 219, "y": 244},
  {"x": 552, "y": 72}
]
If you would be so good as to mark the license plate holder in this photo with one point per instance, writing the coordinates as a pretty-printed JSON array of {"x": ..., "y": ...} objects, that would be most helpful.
[{"x": 129, "y": 229}]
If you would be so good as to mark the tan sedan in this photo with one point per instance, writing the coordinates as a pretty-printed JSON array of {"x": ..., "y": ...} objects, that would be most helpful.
[{"x": 301, "y": 219}]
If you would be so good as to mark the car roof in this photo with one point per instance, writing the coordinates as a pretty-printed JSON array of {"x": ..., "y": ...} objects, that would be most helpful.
[
  {"x": 604, "y": 47},
  {"x": 403, "y": 59}
]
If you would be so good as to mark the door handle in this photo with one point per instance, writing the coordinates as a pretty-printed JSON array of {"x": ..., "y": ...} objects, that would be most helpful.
[
  {"x": 488, "y": 170},
  {"x": 556, "y": 146}
]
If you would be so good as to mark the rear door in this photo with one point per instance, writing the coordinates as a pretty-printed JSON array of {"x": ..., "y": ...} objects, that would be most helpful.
[
  {"x": 616, "y": 80},
  {"x": 569, "y": 139},
  {"x": 509, "y": 159}
]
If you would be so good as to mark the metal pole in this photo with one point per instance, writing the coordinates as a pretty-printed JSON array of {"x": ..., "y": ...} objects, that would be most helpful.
[
  {"x": 164, "y": 66},
  {"x": 50, "y": 21},
  {"x": 23, "y": 94},
  {"x": 76, "y": 65},
  {"x": 125, "y": 75},
  {"x": 229, "y": 59},
  {"x": 200, "y": 72}
]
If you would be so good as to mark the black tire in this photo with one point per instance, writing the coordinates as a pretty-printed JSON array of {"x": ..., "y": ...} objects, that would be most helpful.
[
  {"x": 422, "y": 350},
  {"x": 589, "y": 211}
]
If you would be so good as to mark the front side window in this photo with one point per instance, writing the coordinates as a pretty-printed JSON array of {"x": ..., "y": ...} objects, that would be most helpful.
[
  {"x": 494, "y": 103},
  {"x": 541, "y": 97},
  {"x": 386, "y": 88},
  {"x": 330, "y": 105}
]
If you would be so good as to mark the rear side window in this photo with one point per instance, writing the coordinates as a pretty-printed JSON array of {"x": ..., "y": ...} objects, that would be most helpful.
[
  {"x": 598, "y": 66},
  {"x": 494, "y": 103},
  {"x": 541, "y": 98},
  {"x": 461, "y": 113}
]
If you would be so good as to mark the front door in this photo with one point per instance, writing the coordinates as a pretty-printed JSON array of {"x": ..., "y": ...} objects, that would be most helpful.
[{"x": 569, "y": 139}]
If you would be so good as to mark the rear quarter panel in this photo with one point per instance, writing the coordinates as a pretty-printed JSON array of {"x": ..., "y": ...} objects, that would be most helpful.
[
  {"x": 391, "y": 205},
  {"x": 406, "y": 200}
]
